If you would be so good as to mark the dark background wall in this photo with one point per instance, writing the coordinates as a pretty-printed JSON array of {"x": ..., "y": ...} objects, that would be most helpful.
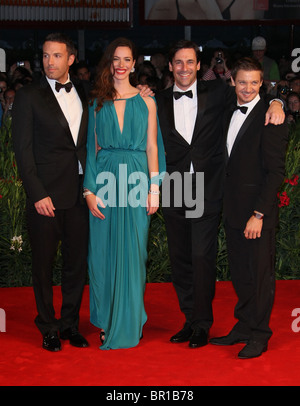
[{"x": 23, "y": 42}]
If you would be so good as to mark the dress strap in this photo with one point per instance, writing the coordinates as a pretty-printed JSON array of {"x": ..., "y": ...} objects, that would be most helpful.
[{"x": 96, "y": 141}]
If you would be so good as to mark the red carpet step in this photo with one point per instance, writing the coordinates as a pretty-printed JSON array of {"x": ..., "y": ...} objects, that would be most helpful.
[{"x": 155, "y": 361}]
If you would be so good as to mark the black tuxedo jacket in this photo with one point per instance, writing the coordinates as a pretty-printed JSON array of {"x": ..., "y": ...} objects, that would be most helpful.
[
  {"x": 255, "y": 169},
  {"x": 206, "y": 149},
  {"x": 46, "y": 155}
]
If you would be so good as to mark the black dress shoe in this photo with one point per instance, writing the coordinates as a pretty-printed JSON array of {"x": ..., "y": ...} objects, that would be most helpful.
[
  {"x": 76, "y": 339},
  {"x": 233, "y": 337},
  {"x": 182, "y": 336},
  {"x": 51, "y": 342},
  {"x": 252, "y": 350},
  {"x": 199, "y": 338}
]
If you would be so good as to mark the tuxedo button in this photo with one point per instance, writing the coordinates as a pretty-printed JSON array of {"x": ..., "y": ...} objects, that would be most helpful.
[{"x": 227, "y": 174}]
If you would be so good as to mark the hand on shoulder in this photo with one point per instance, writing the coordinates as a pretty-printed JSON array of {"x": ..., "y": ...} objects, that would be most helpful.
[{"x": 145, "y": 90}]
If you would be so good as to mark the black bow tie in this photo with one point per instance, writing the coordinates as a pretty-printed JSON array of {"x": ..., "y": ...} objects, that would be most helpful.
[
  {"x": 242, "y": 108},
  {"x": 177, "y": 95},
  {"x": 67, "y": 86}
]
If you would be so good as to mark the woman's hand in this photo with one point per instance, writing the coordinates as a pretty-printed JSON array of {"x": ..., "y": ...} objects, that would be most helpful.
[
  {"x": 93, "y": 201},
  {"x": 152, "y": 203}
]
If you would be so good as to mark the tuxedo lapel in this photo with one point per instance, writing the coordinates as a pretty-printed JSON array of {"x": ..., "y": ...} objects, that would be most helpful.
[
  {"x": 169, "y": 108},
  {"x": 84, "y": 117},
  {"x": 251, "y": 117},
  {"x": 169, "y": 111},
  {"x": 201, "y": 105},
  {"x": 53, "y": 106},
  {"x": 226, "y": 124}
]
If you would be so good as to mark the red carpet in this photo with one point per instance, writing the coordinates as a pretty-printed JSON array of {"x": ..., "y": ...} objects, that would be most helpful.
[{"x": 155, "y": 362}]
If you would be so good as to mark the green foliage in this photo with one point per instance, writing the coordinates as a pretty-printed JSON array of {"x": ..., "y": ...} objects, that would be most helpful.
[
  {"x": 15, "y": 254},
  {"x": 222, "y": 262},
  {"x": 288, "y": 237},
  {"x": 158, "y": 266},
  {"x": 14, "y": 246}
]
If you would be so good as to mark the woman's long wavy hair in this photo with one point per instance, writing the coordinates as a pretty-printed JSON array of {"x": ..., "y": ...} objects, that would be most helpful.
[{"x": 104, "y": 85}]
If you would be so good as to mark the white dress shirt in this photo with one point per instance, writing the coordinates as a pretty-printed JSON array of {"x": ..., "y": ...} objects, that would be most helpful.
[
  {"x": 236, "y": 122},
  {"x": 71, "y": 106},
  {"x": 185, "y": 113}
]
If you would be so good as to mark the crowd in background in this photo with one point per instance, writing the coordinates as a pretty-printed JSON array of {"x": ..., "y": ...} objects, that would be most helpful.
[{"x": 153, "y": 70}]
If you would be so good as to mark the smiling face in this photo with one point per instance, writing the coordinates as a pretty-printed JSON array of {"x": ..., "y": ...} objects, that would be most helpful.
[
  {"x": 184, "y": 67},
  {"x": 57, "y": 61},
  {"x": 123, "y": 63},
  {"x": 294, "y": 103},
  {"x": 247, "y": 85}
]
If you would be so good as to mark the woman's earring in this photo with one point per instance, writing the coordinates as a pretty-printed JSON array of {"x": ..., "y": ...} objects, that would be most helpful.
[{"x": 132, "y": 70}]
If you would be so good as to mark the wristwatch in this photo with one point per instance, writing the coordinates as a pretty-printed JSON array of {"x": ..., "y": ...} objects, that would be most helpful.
[{"x": 259, "y": 216}]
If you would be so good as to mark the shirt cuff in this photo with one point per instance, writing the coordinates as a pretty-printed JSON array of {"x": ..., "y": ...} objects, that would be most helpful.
[{"x": 280, "y": 101}]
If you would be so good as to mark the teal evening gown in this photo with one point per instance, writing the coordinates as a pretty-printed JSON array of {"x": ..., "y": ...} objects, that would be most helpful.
[{"x": 118, "y": 244}]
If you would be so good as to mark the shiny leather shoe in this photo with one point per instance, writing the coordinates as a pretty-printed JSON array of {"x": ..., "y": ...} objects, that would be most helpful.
[
  {"x": 51, "y": 342},
  {"x": 76, "y": 339},
  {"x": 199, "y": 338},
  {"x": 182, "y": 336},
  {"x": 233, "y": 337},
  {"x": 252, "y": 350}
]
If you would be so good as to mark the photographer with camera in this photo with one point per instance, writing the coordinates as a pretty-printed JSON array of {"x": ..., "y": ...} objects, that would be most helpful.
[
  {"x": 218, "y": 67},
  {"x": 20, "y": 72},
  {"x": 294, "y": 84}
]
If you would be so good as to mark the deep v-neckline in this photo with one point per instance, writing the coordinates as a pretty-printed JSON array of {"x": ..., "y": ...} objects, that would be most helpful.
[{"x": 121, "y": 130}]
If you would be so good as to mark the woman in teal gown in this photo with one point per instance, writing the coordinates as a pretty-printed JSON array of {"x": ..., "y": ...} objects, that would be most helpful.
[{"x": 124, "y": 158}]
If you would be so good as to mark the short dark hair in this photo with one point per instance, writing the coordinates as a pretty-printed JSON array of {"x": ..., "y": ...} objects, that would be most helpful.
[
  {"x": 247, "y": 64},
  {"x": 184, "y": 44},
  {"x": 292, "y": 94},
  {"x": 63, "y": 39}
]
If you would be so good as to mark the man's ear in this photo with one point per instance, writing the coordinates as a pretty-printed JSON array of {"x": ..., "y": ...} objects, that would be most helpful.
[{"x": 71, "y": 59}]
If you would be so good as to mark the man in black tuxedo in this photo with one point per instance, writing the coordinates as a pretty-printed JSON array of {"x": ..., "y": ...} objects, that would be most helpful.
[
  {"x": 192, "y": 132},
  {"x": 49, "y": 127},
  {"x": 254, "y": 172}
]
